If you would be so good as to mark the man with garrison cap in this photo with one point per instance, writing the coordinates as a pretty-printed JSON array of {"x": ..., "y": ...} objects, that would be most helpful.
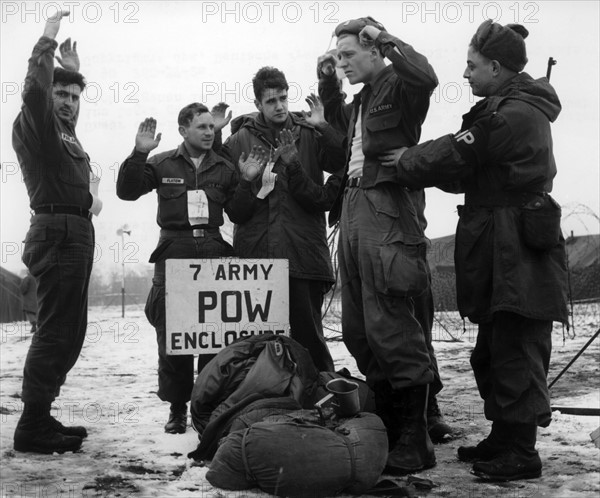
[
  {"x": 510, "y": 253},
  {"x": 387, "y": 308}
]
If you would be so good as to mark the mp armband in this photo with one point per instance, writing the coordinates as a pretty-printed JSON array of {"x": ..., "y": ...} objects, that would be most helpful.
[{"x": 471, "y": 144}]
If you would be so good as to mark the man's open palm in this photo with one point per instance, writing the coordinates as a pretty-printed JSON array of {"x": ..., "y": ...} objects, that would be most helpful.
[
  {"x": 145, "y": 140},
  {"x": 69, "y": 59}
]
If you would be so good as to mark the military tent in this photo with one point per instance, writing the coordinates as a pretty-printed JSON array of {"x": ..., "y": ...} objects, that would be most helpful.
[
  {"x": 11, "y": 309},
  {"x": 584, "y": 269}
]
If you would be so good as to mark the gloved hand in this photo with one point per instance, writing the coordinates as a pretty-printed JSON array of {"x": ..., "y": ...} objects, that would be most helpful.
[{"x": 326, "y": 65}]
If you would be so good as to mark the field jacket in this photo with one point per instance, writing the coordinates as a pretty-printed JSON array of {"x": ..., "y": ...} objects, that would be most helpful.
[
  {"x": 172, "y": 174},
  {"x": 394, "y": 108},
  {"x": 290, "y": 222},
  {"x": 510, "y": 252},
  {"x": 56, "y": 169}
]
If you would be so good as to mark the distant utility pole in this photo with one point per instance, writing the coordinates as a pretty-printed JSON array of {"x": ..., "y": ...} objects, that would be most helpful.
[{"x": 122, "y": 231}]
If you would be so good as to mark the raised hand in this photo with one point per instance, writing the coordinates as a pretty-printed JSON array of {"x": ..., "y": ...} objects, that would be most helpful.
[
  {"x": 252, "y": 166},
  {"x": 368, "y": 34},
  {"x": 316, "y": 115},
  {"x": 69, "y": 59},
  {"x": 53, "y": 23},
  {"x": 286, "y": 148},
  {"x": 144, "y": 139},
  {"x": 326, "y": 64},
  {"x": 218, "y": 114}
]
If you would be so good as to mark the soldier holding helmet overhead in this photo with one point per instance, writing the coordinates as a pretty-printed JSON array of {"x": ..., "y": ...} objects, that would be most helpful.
[{"x": 387, "y": 307}]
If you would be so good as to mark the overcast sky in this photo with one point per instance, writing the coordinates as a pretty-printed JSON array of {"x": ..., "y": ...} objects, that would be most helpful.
[{"x": 149, "y": 58}]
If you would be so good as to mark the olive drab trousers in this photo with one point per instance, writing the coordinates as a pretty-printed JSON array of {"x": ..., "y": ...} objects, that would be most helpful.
[
  {"x": 59, "y": 252},
  {"x": 510, "y": 362},
  {"x": 384, "y": 271},
  {"x": 176, "y": 372}
]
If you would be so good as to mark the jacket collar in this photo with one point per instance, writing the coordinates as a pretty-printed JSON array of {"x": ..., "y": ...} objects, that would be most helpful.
[
  {"x": 210, "y": 158},
  {"x": 381, "y": 78},
  {"x": 259, "y": 127}
]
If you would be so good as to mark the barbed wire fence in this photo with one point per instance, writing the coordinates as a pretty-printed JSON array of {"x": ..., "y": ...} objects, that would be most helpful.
[{"x": 583, "y": 251}]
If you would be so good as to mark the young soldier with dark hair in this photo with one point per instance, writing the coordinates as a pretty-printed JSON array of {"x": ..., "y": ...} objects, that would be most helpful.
[{"x": 286, "y": 212}]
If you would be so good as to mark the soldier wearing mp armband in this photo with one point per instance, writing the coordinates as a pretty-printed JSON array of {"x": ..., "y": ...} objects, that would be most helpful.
[{"x": 510, "y": 254}]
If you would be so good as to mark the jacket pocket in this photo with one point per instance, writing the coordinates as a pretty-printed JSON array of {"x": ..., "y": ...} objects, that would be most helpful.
[
  {"x": 74, "y": 168},
  {"x": 404, "y": 266},
  {"x": 172, "y": 203},
  {"x": 383, "y": 133},
  {"x": 216, "y": 204},
  {"x": 383, "y": 121},
  {"x": 540, "y": 223},
  {"x": 155, "y": 305},
  {"x": 169, "y": 192},
  {"x": 382, "y": 202},
  {"x": 38, "y": 254},
  {"x": 216, "y": 195}
]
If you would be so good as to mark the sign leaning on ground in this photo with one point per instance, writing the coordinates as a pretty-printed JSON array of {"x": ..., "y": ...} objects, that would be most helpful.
[{"x": 212, "y": 302}]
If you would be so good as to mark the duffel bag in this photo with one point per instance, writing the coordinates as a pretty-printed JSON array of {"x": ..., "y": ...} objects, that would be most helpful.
[{"x": 297, "y": 458}]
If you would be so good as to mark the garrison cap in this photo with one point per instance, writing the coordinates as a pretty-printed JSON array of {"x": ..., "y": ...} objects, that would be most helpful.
[
  {"x": 354, "y": 26},
  {"x": 506, "y": 44}
]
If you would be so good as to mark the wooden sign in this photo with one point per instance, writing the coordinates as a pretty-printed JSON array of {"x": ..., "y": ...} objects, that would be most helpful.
[{"x": 212, "y": 302}]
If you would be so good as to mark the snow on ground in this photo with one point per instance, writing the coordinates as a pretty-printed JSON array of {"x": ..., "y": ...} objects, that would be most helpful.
[{"x": 112, "y": 390}]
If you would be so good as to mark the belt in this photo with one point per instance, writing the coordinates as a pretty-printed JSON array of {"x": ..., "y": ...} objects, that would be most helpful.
[
  {"x": 60, "y": 209},
  {"x": 496, "y": 199},
  {"x": 353, "y": 182},
  {"x": 195, "y": 233}
]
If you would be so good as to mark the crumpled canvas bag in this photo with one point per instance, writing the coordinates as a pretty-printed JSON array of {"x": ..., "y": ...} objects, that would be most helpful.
[{"x": 245, "y": 370}]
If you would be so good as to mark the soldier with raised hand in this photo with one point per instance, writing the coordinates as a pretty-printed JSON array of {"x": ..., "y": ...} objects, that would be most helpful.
[
  {"x": 289, "y": 200},
  {"x": 59, "y": 246},
  {"x": 195, "y": 187},
  {"x": 387, "y": 308}
]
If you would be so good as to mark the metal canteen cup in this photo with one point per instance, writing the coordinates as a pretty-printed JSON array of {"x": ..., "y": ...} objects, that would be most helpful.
[{"x": 343, "y": 397}]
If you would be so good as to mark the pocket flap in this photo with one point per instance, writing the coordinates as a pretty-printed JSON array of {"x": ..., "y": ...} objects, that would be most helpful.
[
  {"x": 74, "y": 150},
  {"x": 36, "y": 234},
  {"x": 171, "y": 191},
  {"x": 404, "y": 268},
  {"x": 384, "y": 120},
  {"x": 215, "y": 194}
]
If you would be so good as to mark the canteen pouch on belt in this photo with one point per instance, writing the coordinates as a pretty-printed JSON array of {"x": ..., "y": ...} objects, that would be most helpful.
[{"x": 540, "y": 223}]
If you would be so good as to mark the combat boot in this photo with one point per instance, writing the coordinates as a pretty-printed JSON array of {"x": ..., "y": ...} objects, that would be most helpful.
[
  {"x": 520, "y": 461},
  {"x": 35, "y": 432},
  {"x": 413, "y": 450},
  {"x": 384, "y": 409},
  {"x": 496, "y": 442},
  {"x": 68, "y": 430},
  {"x": 438, "y": 429},
  {"x": 177, "y": 423}
]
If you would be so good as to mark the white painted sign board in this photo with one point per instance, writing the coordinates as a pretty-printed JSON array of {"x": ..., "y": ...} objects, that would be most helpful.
[{"x": 212, "y": 302}]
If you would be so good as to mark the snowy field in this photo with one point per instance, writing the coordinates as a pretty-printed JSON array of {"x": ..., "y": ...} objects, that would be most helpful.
[{"x": 111, "y": 390}]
